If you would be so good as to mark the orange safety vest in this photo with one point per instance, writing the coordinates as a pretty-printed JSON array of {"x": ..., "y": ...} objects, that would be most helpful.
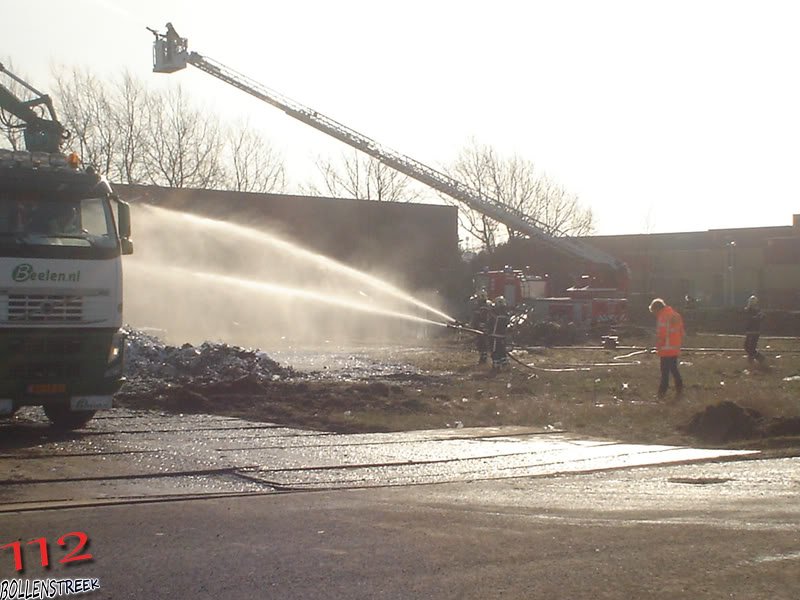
[{"x": 669, "y": 332}]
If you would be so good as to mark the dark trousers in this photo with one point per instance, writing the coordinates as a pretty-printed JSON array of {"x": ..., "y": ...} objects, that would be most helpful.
[
  {"x": 499, "y": 351},
  {"x": 750, "y": 343},
  {"x": 482, "y": 344},
  {"x": 669, "y": 364}
]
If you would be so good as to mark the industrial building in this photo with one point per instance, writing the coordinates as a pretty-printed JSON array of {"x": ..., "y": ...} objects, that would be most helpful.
[
  {"x": 719, "y": 267},
  {"x": 715, "y": 268}
]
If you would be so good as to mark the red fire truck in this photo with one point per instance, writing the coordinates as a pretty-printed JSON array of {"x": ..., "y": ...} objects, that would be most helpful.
[{"x": 586, "y": 303}]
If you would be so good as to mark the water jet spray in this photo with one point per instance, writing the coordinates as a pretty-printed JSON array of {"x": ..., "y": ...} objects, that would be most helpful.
[
  {"x": 273, "y": 288},
  {"x": 263, "y": 238}
]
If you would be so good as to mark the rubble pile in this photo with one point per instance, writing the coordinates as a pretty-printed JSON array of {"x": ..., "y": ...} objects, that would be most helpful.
[{"x": 150, "y": 363}]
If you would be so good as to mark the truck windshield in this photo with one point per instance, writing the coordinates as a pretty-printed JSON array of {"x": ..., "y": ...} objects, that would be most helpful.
[{"x": 45, "y": 221}]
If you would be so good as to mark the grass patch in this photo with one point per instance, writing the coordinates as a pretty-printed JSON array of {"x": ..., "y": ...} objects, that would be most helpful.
[{"x": 589, "y": 391}]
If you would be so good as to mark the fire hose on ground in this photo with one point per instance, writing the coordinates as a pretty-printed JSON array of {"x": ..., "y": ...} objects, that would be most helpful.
[
  {"x": 565, "y": 368},
  {"x": 571, "y": 367}
]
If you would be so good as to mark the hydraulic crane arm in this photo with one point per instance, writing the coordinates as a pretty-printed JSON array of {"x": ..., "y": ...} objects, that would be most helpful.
[
  {"x": 41, "y": 134},
  {"x": 171, "y": 54}
]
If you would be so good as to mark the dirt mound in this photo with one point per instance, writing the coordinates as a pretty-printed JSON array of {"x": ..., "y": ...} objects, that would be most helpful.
[
  {"x": 729, "y": 422},
  {"x": 725, "y": 422},
  {"x": 783, "y": 427}
]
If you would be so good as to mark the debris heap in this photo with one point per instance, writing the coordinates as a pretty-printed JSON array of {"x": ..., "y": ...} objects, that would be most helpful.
[{"x": 150, "y": 364}]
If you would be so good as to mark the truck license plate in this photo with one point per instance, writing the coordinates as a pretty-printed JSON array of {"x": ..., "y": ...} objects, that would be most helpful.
[
  {"x": 47, "y": 388},
  {"x": 6, "y": 406},
  {"x": 90, "y": 402}
]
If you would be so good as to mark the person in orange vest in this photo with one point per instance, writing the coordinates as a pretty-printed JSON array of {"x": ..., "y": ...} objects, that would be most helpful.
[{"x": 669, "y": 335}]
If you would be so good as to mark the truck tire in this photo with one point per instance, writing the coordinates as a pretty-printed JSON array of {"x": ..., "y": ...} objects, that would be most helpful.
[{"x": 61, "y": 417}]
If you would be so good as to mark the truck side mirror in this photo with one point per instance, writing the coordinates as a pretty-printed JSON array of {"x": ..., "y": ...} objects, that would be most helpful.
[{"x": 124, "y": 225}]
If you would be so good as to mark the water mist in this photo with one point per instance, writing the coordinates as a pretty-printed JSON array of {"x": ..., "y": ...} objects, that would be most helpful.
[{"x": 194, "y": 278}]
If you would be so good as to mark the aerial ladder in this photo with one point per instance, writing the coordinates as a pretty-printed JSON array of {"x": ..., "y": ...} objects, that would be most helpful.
[{"x": 171, "y": 53}]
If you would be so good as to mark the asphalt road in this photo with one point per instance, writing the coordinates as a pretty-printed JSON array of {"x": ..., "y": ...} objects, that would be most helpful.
[{"x": 209, "y": 508}]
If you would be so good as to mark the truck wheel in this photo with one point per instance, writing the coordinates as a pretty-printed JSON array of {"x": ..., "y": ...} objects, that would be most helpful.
[{"x": 61, "y": 417}]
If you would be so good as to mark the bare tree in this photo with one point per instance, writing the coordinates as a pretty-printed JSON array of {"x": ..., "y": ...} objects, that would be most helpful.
[
  {"x": 85, "y": 108},
  {"x": 362, "y": 177},
  {"x": 253, "y": 165},
  {"x": 558, "y": 211},
  {"x": 129, "y": 104},
  {"x": 183, "y": 144},
  {"x": 136, "y": 135},
  {"x": 475, "y": 169},
  {"x": 515, "y": 183}
]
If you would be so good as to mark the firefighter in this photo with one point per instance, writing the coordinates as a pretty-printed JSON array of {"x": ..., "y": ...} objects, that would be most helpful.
[
  {"x": 173, "y": 42},
  {"x": 498, "y": 327},
  {"x": 172, "y": 35},
  {"x": 669, "y": 336},
  {"x": 480, "y": 321},
  {"x": 753, "y": 330}
]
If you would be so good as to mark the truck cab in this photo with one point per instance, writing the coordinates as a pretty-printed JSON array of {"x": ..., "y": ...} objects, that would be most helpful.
[{"x": 63, "y": 233}]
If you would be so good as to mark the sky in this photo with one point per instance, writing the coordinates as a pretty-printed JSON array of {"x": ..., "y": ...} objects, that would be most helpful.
[{"x": 660, "y": 116}]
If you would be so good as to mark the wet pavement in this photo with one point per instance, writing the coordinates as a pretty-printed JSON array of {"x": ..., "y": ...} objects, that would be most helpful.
[
  {"x": 210, "y": 507},
  {"x": 128, "y": 456}
]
